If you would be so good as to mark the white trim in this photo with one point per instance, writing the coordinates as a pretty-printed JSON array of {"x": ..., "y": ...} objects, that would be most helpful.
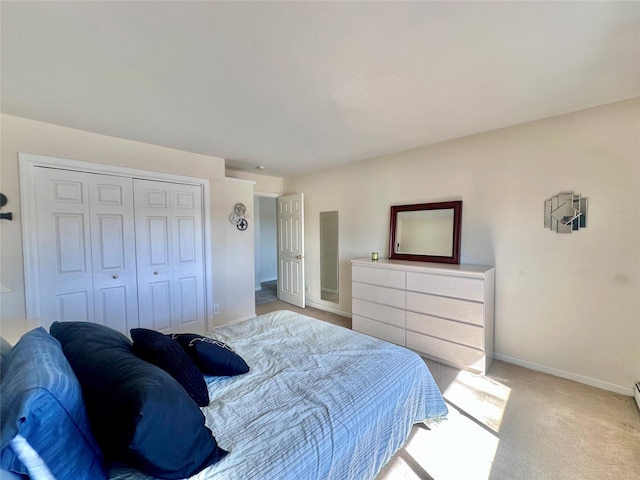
[
  {"x": 328, "y": 309},
  {"x": 29, "y": 240},
  {"x": 231, "y": 322},
  {"x": 612, "y": 387},
  {"x": 271, "y": 279},
  {"x": 27, "y": 163},
  {"x": 239, "y": 180},
  {"x": 266, "y": 194}
]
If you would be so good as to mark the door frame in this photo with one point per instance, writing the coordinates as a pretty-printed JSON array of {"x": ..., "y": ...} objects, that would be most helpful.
[{"x": 27, "y": 164}]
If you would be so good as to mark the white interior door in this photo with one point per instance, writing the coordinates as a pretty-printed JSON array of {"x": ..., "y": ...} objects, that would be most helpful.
[
  {"x": 169, "y": 256},
  {"x": 86, "y": 268},
  {"x": 291, "y": 288},
  {"x": 113, "y": 252}
]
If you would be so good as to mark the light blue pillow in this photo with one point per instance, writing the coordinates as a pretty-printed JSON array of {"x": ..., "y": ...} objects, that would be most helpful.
[
  {"x": 4, "y": 475},
  {"x": 43, "y": 415}
]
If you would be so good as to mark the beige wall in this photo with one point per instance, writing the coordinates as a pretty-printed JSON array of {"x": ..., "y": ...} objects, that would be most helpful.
[
  {"x": 568, "y": 304},
  {"x": 22, "y": 135},
  {"x": 240, "y": 251}
]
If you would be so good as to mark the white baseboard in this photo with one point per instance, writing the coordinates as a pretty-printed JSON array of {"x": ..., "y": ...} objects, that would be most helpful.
[
  {"x": 636, "y": 393},
  {"x": 328, "y": 309},
  {"x": 236, "y": 320},
  {"x": 612, "y": 387}
]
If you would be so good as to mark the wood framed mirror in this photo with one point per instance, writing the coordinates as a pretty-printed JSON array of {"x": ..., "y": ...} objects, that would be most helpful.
[{"x": 426, "y": 232}]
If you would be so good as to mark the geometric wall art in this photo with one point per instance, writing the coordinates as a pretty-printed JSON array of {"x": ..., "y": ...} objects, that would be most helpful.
[{"x": 565, "y": 212}]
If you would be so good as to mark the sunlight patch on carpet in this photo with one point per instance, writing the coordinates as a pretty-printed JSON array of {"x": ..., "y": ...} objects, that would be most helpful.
[
  {"x": 460, "y": 448},
  {"x": 480, "y": 397},
  {"x": 464, "y": 445}
]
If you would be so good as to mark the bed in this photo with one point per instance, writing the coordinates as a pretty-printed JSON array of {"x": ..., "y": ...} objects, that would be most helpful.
[{"x": 319, "y": 402}]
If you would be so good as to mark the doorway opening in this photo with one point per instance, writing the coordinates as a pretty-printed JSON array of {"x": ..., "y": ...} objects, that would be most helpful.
[{"x": 265, "y": 249}]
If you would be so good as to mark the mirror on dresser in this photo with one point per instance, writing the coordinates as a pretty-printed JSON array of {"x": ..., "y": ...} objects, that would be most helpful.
[{"x": 426, "y": 232}]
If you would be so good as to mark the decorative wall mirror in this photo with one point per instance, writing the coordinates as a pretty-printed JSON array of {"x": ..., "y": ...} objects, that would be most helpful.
[
  {"x": 329, "y": 260},
  {"x": 426, "y": 232}
]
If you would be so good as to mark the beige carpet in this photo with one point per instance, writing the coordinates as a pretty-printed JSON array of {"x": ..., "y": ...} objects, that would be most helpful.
[
  {"x": 516, "y": 424},
  {"x": 519, "y": 424},
  {"x": 267, "y": 293}
]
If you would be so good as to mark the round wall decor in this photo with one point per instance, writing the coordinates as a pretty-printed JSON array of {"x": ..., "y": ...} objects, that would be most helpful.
[{"x": 238, "y": 216}]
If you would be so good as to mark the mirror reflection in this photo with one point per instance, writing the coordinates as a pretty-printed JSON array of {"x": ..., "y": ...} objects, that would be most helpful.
[
  {"x": 427, "y": 232},
  {"x": 329, "y": 256}
]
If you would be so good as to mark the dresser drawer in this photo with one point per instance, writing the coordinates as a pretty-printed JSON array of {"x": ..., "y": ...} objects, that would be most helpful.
[
  {"x": 382, "y": 313},
  {"x": 378, "y": 276},
  {"x": 450, "y": 286},
  {"x": 383, "y": 295},
  {"x": 459, "y": 355},
  {"x": 464, "y": 333},
  {"x": 379, "y": 330},
  {"x": 463, "y": 310}
]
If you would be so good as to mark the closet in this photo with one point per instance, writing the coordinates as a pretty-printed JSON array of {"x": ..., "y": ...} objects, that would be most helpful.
[{"x": 119, "y": 251}]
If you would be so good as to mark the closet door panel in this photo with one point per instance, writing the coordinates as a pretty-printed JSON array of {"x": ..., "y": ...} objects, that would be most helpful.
[
  {"x": 113, "y": 251},
  {"x": 187, "y": 302},
  {"x": 70, "y": 242},
  {"x": 186, "y": 240},
  {"x": 64, "y": 246},
  {"x": 74, "y": 306},
  {"x": 157, "y": 236},
  {"x": 111, "y": 308},
  {"x": 187, "y": 258},
  {"x": 110, "y": 242},
  {"x": 158, "y": 316},
  {"x": 152, "y": 220},
  {"x": 170, "y": 242}
]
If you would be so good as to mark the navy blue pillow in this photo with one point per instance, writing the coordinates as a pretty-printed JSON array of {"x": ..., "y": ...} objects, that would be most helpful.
[
  {"x": 44, "y": 421},
  {"x": 212, "y": 357},
  {"x": 138, "y": 412},
  {"x": 163, "y": 352}
]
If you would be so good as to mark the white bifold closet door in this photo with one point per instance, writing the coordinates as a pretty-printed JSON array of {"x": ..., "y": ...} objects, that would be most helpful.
[
  {"x": 169, "y": 255},
  {"x": 99, "y": 251}
]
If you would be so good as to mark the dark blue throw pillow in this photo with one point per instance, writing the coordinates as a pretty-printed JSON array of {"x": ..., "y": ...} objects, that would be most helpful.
[
  {"x": 212, "y": 357},
  {"x": 139, "y": 413},
  {"x": 163, "y": 352}
]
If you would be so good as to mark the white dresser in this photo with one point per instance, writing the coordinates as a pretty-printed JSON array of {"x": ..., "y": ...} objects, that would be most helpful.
[{"x": 441, "y": 311}]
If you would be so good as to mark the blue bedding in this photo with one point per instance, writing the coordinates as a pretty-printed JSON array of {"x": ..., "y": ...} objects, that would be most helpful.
[{"x": 320, "y": 402}]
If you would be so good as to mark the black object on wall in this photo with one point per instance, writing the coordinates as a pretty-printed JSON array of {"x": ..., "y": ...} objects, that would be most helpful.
[{"x": 3, "y": 202}]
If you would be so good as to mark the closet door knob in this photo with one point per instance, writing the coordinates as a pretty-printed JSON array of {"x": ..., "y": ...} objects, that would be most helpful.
[
  {"x": 155, "y": 273},
  {"x": 115, "y": 276}
]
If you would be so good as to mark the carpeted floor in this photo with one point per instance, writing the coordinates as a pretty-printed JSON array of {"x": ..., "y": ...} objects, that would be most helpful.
[
  {"x": 515, "y": 424},
  {"x": 520, "y": 424},
  {"x": 268, "y": 293}
]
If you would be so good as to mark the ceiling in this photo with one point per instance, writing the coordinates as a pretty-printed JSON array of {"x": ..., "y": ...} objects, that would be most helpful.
[{"x": 301, "y": 86}]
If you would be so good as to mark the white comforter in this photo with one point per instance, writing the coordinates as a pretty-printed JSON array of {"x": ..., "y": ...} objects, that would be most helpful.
[{"x": 320, "y": 402}]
